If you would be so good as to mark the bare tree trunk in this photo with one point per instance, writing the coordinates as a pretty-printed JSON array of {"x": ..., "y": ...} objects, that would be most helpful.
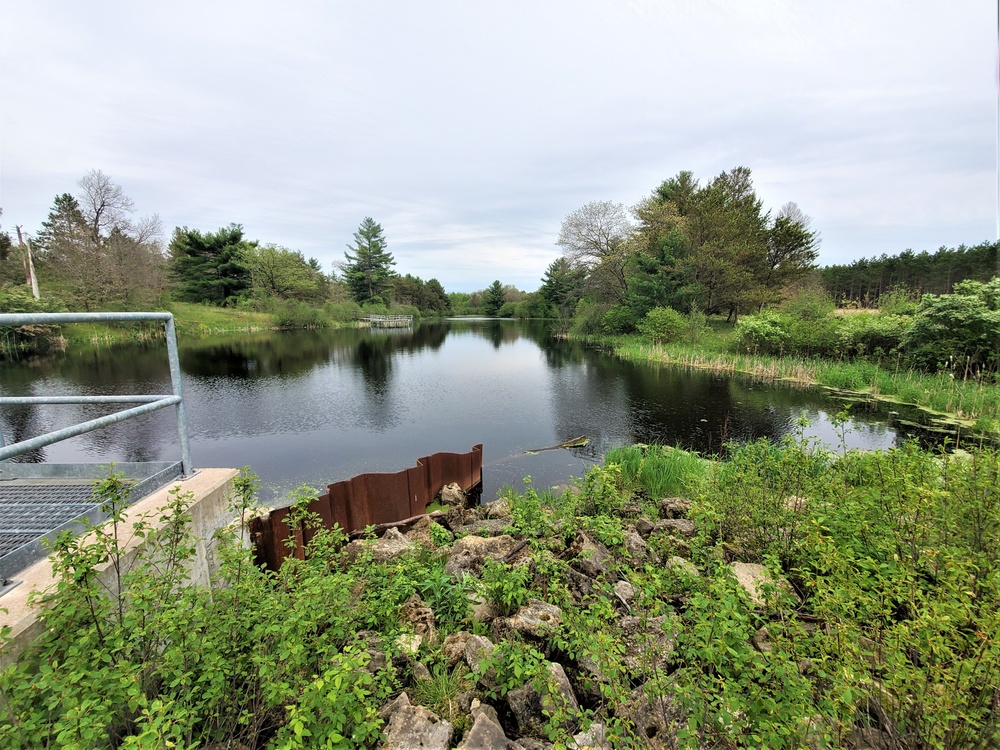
[{"x": 29, "y": 265}]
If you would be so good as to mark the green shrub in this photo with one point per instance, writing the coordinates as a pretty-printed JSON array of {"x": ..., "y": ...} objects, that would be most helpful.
[
  {"x": 764, "y": 333},
  {"x": 959, "y": 331},
  {"x": 872, "y": 334},
  {"x": 663, "y": 324},
  {"x": 618, "y": 320}
]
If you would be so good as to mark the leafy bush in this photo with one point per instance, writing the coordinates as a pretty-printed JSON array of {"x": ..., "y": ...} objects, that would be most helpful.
[
  {"x": 764, "y": 333},
  {"x": 619, "y": 319},
  {"x": 872, "y": 334},
  {"x": 18, "y": 299},
  {"x": 959, "y": 331},
  {"x": 663, "y": 324}
]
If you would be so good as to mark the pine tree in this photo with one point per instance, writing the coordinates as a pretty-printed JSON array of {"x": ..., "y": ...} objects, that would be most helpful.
[{"x": 368, "y": 270}]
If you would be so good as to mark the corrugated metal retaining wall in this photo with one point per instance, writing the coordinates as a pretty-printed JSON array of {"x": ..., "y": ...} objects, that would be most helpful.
[{"x": 369, "y": 499}]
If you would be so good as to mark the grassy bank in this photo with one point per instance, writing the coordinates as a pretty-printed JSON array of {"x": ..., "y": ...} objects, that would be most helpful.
[
  {"x": 873, "y": 621},
  {"x": 968, "y": 403}
]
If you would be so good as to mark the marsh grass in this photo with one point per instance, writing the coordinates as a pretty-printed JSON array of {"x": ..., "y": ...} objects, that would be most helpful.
[
  {"x": 972, "y": 402},
  {"x": 660, "y": 470}
]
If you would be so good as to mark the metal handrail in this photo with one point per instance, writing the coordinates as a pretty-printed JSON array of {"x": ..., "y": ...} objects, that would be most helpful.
[{"x": 148, "y": 402}]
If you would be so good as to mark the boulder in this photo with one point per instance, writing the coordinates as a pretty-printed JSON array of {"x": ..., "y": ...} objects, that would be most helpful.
[
  {"x": 389, "y": 546},
  {"x": 590, "y": 557},
  {"x": 454, "y": 647},
  {"x": 674, "y": 507},
  {"x": 486, "y": 732},
  {"x": 680, "y": 527},
  {"x": 420, "y": 617},
  {"x": 655, "y": 717},
  {"x": 461, "y": 564},
  {"x": 409, "y": 644},
  {"x": 595, "y": 738},
  {"x": 529, "y": 707},
  {"x": 644, "y": 527},
  {"x": 420, "y": 532},
  {"x": 636, "y": 547},
  {"x": 452, "y": 495},
  {"x": 410, "y": 727},
  {"x": 754, "y": 577},
  {"x": 682, "y": 568},
  {"x": 477, "y": 648},
  {"x": 536, "y": 619},
  {"x": 495, "y": 547},
  {"x": 625, "y": 593}
]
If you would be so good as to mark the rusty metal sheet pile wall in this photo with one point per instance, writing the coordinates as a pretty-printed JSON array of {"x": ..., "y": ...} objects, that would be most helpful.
[{"x": 369, "y": 499}]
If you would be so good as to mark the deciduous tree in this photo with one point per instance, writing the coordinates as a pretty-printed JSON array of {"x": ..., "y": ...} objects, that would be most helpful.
[{"x": 598, "y": 236}]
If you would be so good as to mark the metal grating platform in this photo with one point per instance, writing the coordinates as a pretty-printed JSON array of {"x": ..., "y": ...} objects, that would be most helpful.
[
  {"x": 37, "y": 504},
  {"x": 28, "y": 512}
]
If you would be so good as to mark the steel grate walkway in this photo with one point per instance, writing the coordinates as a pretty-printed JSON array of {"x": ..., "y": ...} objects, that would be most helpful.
[{"x": 31, "y": 511}]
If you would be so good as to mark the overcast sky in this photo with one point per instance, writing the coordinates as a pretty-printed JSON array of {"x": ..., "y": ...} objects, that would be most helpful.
[{"x": 469, "y": 130}]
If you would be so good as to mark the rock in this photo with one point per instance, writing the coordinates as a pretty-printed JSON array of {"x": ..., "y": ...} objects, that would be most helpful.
[
  {"x": 372, "y": 644},
  {"x": 452, "y": 495},
  {"x": 486, "y": 527},
  {"x": 482, "y": 610},
  {"x": 536, "y": 619},
  {"x": 674, "y": 507},
  {"x": 410, "y": 727},
  {"x": 389, "y": 546},
  {"x": 649, "y": 644},
  {"x": 420, "y": 532},
  {"x": 400, "y": 701},
  {"x": 636, "y": 547},
  {"x": 754, "y": 577},
  {"x": 580, "y": 586},
  {"x": 495, "y": 547},
  {"x": 644, "y": 527},
  {"x": 416, "y": 613},
  {"x": 592, "y": 558},
  {"x": 625, "y": 592},
  {"x": 477, "y": 648},
  {"x": 486, "y": 733},
  {"x": 529, "y": 707},
  {"x": 682, "y": 568},
  {"x": 655, "y": 718},
  {"x": 420, "y": 672},
  {"x": 595, "y": 738},
  {"x": 409, "y": 643},
  {"x": 461, "y": 564},
  {"x": 762, "y": 641},
  {"x": 680, "y": 527},
  {"x": 454, "y": 647}
]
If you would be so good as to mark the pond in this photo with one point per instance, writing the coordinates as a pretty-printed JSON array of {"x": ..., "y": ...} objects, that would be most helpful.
[{"x": 314, "y": 407}]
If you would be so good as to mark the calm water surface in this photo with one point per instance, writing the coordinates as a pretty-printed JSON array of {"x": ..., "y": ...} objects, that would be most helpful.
[{"x": 315, "y": 407}]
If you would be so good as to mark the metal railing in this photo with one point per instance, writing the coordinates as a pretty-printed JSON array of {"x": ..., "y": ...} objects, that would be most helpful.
[{"x": 148, "y": 403}]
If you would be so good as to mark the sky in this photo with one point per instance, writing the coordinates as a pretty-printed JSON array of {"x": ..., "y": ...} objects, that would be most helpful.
[{"x": 469, "y": 130}]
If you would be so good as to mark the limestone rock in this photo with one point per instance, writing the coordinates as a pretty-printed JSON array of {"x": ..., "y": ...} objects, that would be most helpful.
[
  {"x": 409, "y": 643},
  {"x": 754, "y": 577},
  {"x": 644, "y": 527},
  {"x": 528, "y": 706},
  {"x": 684, "y": 568},
  {"x": 591, "y": 558},
  {"x": 452, "y": 495},
  {"x": 648, "y": 645},
  {"x": 656, "y": 717},
  {"x": 495, "y": 547},
  {"x": 680, "y": 527},
  {"x": 420, "y": 672},
  {"x": 461, "y": 564},
  {"x": 477, "y": 648},
  {"x": 674, "y": 507},
  {"x": 410, "y": 727},
  {"x": 486, "y": 732},
  {"x": 454, "y": 647},
  {"x": 421, "y": 617},
  {"x": 536, "y": 619},
  {"x": 636, "y": 547},
  {"x": 595, "y": 738},
  {"x": 625, "y": 592},
  {"x": 420, "y": 532},
  {"x": 390, "y": 545}
]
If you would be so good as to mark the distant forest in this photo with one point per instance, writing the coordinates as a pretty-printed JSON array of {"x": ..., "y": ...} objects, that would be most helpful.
[{"x": 862, "y": 282}]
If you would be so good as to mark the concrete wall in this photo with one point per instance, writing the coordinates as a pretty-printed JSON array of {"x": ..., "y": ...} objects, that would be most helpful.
[{"x": 212, "y": 490}]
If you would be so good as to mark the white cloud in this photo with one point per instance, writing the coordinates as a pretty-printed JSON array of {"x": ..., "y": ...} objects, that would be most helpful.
[{"x": 469, "y": 131}]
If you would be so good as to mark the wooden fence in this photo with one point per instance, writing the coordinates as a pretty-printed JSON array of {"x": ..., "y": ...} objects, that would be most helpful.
[{"x": 366, "y": 500}]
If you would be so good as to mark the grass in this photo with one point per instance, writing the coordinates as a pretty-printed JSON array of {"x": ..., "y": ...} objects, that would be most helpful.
[
  {"x": 966, "y": 402},
  {"x": 660, "y": 470}
]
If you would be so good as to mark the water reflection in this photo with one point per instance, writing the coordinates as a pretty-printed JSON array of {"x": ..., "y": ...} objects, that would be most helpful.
[{"x": 320, "y": 406}]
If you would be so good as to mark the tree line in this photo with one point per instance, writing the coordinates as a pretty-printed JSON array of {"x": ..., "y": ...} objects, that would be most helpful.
[
  {"x": 710, "y": 248},
  {"x": 864, "y": 282},
  {"x": 93, "y": 252}
]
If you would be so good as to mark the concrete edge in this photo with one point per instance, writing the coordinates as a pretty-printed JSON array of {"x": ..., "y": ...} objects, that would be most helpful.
[{"x": 209, "y": 511}]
